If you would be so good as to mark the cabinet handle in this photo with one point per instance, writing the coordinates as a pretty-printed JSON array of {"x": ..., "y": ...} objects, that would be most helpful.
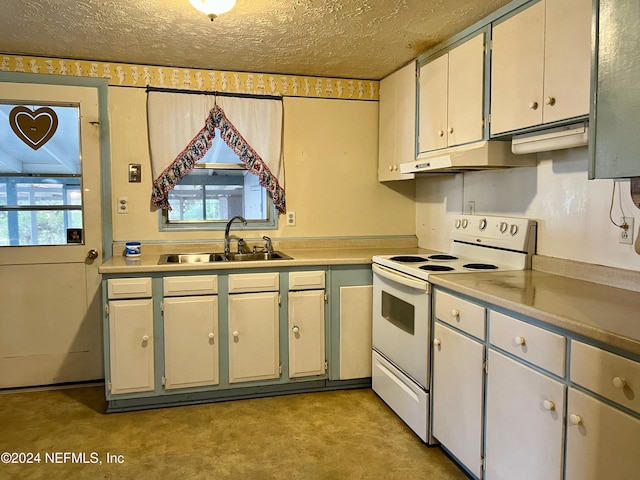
[
  {"x": 295, "y": 329},
  {"x": 549, "y": 405},
  {"x": 450, "y": 129},
  {"x": 145, "y": 338},
  {"x": 455, "y": 312},
  {"x": 395, "y": 168},
  {"x": 236, "y": 333},
  {"x": 441, "y": 133},
  {"x": 619, "y": 382},
  {"x": 551, "y": 101},
  {"x": 391, "y": 168},
  {"x": 437, "y": 342},
  {"x": 575, "y": 419},
  {"x": 520, "y": 341},
  {"x": 212, "y": 336},
  {"x": 533, "y": 105}
]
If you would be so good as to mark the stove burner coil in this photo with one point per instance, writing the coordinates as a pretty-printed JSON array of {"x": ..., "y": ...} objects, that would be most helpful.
[
  {"x": 480, "y": 266},
  {"x": 436, "y": 268},
  {"x": 442, "y": 257},
  {"x": 408, "y": 259}
]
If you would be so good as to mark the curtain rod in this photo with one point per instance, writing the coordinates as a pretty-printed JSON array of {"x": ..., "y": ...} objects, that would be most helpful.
[{"x": 219, "y": 94}]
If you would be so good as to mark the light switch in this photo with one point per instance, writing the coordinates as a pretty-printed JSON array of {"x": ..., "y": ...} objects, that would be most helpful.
[{"x": 135, "y": 173}]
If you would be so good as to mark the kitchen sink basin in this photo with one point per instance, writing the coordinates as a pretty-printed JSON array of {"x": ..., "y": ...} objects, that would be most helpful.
[{"x": 220, "y": 257}]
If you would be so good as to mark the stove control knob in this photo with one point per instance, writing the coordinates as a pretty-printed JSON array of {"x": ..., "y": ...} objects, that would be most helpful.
[
  {"x": 458, "y": 223},
  {"x": 503, "y": 227},
  {"x": 465, "y": 222},
  {"x": 513, "y": 230},
  {"x": 483, "y": 224}
]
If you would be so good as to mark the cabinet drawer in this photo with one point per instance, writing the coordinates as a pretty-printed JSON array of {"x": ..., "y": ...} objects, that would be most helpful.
[
  {"x": 254, "y": 282},
  {"x": 129, "y": 287},
  {"x": 306, "y": 280},
  {"x": 190, "y": 285},
  {"x": 460, "y": 313},
  {"x": 607, "y": 374},
  {"x": 533, "y": 344}
]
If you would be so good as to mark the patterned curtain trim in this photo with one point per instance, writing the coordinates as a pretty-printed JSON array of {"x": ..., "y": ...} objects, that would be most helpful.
[{"x": 198, "y": 147}]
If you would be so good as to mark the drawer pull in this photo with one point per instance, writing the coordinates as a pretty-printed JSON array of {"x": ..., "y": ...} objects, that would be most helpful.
[
  {"x": 211, "y": 336},
  {"x": 619, "y": 382},
  {"x": 295, "y": 329},
  {"x": 549, "y": 405},
  {"x": 437, "y": 342},
  {"x": 455, "y": 312},
  {"x": 575, "y": 419},
  {"x": 145, "y": 338},
  {"x": 520, "y": 341},
  {"x": 235, "y": 333}
]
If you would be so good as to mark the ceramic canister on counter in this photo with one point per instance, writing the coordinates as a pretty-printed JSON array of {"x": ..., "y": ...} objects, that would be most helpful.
[{"x": 132, "y": 249}]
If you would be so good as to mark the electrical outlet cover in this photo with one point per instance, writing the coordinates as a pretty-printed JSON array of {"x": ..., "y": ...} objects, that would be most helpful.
[{"x": 626, "y": 235}]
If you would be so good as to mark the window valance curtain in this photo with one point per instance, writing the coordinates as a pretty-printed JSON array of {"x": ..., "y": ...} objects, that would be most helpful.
[{"x": 182, "y": 126}]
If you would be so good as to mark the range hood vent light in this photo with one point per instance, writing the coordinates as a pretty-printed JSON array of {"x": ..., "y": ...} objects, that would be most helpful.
[{"x": 558, "y": 138}]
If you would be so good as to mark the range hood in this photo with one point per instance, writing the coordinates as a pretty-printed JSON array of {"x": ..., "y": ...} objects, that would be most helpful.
[
  {"x": 567, "y": 136},
  {"x": 483, "y": 155}
]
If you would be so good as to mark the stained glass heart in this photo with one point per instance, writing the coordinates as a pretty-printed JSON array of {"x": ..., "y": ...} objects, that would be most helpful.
[{"x": 35, "y": 128}]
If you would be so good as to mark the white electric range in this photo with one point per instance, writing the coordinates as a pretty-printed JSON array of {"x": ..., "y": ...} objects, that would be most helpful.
[{"x": 402, "y": 304}]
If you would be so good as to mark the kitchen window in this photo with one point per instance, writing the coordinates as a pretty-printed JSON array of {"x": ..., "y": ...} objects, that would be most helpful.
[
  {"x": 215, "y": 156},
  {"x": 217, "y": 189}
]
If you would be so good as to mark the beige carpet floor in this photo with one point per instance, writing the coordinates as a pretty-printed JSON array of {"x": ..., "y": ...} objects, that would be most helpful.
[{"x": 330, "y": 435}]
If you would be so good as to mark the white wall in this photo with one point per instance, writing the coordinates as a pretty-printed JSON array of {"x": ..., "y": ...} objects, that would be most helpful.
[{"x": 572, "y": 211}]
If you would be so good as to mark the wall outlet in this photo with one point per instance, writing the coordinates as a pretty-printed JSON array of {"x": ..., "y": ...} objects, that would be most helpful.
[
  {"x": 625, "y": 235},
  {"x": 291, "y": 219},
  {"x": 123, "y": 205}
]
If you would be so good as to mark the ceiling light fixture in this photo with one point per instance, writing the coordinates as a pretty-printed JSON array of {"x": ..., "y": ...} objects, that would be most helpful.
[{"x": 213, "y": 8}]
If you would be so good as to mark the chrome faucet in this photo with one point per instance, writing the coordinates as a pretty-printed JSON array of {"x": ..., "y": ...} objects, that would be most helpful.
[{"x": 227, "y": 242}]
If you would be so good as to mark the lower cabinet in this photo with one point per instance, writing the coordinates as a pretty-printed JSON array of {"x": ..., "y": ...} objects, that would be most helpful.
[
  {"x": 524, "y": 422},
  {"x": 458, "y": 377},
  {"x": 254, "y": 352},
  {"x": 191, "y": 342},
  {"x": 131, "y": 364},
  {"x": 306, "y": 333},
  {"x": 602, "y": 441}
]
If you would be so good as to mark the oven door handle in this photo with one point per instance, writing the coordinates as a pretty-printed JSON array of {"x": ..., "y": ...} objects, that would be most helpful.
[{"x": 401, "y": 278}]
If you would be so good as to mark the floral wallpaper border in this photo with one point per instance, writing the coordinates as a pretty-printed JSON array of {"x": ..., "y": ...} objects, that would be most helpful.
[{"x": 123, "y": 74}]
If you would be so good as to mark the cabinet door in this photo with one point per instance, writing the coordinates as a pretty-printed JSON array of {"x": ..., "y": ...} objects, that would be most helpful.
[
  {"x": 567, "y": 71},
  {"x": 524, "y": 422},
  {"x": 433, "y": 104},
  {"x": 397, "y": 123},
  {"x": 356, "y": 312},
  {"x": 306, "y": 333},
  {"x": 466, "y": 92},
  {"x": 517, "y": 66},
  {"x": 602, "y": 442},
  {"x": 191, "y": 341},
  {"x": 457, "y": 395},
  {"x": 253, "y": 337},
  {"x": 131, "y": 346}
]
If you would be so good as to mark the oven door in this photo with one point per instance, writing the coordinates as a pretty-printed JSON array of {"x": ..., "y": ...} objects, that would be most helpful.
[{"x": 401, "y": 315}]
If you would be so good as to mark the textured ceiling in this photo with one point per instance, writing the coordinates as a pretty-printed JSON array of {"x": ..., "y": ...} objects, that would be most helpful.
[{"x": 366, "y": 39}]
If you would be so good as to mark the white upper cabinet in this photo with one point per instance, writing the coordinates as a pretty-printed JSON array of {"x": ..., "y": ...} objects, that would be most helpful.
[
  {"x": 541, "y": 60},
  {"x": 397, "y": 123},
  {"x": 452, "y": 97}
]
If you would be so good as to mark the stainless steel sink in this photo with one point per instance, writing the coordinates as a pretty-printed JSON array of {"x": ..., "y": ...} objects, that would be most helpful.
[
  {"x": 239, "y": 257},
  {"x": 220, "y": 257},
  {"x": 191, "y": 258}
]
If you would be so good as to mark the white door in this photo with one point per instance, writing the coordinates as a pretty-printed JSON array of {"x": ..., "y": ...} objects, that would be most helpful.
[
  {"x": 191, "y": 341},
  {"x": 50, "y": 326},
  {"x": 524, "y": 435},
  {"x": 306, "y": 333},
  {"x": 131, "y": 346},
  {"x": 253, "y": 337},
  {"x": 602, "y": 442},
  {"x": 457, "y": 395}
]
